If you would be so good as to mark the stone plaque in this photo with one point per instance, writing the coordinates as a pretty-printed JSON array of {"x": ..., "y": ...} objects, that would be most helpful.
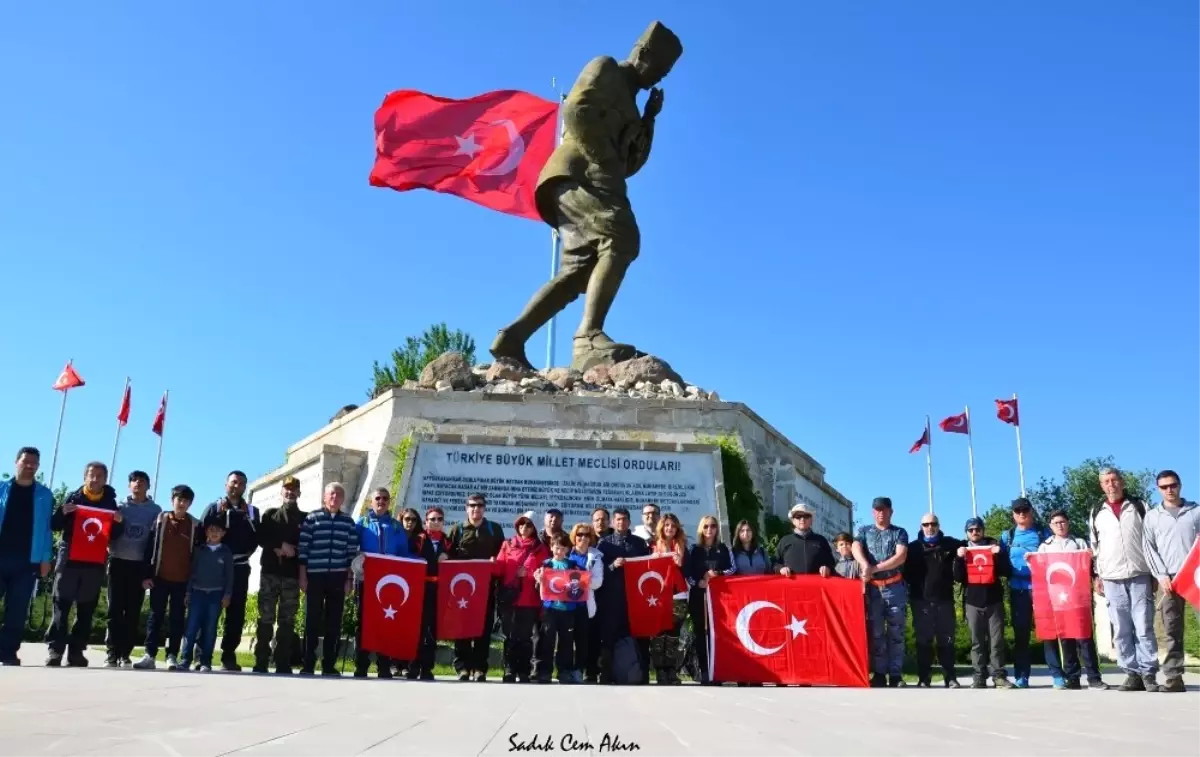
[{"x": 576, "y": 481}]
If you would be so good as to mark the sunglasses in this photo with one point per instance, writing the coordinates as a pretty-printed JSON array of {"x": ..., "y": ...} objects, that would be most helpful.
[
  {"x": 435, "y": 519},
  {"x": 1168, "y": 487},
  {"x": 710, "y": 527},
  {"x": 382, "y": 499},
  {"x": 1023, "y": 511},
  {"x": 801, "y": 516},
  {"x": 974, "y": 530},
  {"x": 930, "y": 525}
]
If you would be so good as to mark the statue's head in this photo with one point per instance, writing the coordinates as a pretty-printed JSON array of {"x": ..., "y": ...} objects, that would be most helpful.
[{"x": 654, "y": 54}]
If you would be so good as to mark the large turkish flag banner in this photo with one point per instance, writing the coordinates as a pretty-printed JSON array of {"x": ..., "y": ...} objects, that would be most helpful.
[
  {"x": 393, "y": 596},
  {"x": 798, "y": 629},
  {"x": 90, "y": 535},
  {"x": 1187, "y": 581},
  {"x": 463, "y": 587},
  {"x": 1062, "y": 594},
  {"x": 650, "y": 585}
]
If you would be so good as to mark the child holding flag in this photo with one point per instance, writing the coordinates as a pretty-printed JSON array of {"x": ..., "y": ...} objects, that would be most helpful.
[{"x": 558, "y": 616}]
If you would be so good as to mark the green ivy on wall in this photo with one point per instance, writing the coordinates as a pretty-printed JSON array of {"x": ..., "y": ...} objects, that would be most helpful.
[{"x": 742, "y": 500}]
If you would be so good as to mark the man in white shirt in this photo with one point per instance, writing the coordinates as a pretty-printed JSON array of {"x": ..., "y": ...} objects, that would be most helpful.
[{"x": 650, "y": 515}]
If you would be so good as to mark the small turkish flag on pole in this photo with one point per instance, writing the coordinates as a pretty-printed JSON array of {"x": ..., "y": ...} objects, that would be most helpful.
[
  {"x": 122, "y": 419},
  {"x": 67, "y": 380},
  {"x": 649, "y": 590},
  {"x": 160, "y": 421},
  {"x": 955, "y": 424},
  {"x": 488, "y": 149},
  {"x": 393, "y": 597},
  {"x": 462, "y": 598},
  {"x": 1187, "y": 581},
  {"x": 918, "y": 444},
  {"x": 90, "y": 534},
  {"x": 1007, "y": 411},
  {"x": 961, "y": 424},
  {"x": 1062, "y": 594},
  {"x": 981, "y": 565}
]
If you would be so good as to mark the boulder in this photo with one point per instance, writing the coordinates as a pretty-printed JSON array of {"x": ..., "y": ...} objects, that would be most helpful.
[
  {"x": 563, "y": 378},
  {"x": 504, "y": 386},
  {"x": 506, "y": 369},
  {"x": 671, "y": 387},
  {"x": 444, "y": 386},
  {"x": 600, "y": 375},
  {"x": 537, "y": 384},
  {"x": 647, "y": 368},
  {"x": 450, "y": 366}
]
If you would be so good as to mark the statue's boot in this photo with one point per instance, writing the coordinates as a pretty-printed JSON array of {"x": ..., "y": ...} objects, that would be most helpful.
[
  {"x": 592, "y": 346},
  {"x": 554, "y": 295}
]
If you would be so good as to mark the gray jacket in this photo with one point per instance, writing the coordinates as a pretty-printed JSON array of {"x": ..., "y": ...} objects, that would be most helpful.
[
  {"x": 133, "y": 533},
  {"x": 1168, "y": 537},
  {"x": 212, "y": 569}
]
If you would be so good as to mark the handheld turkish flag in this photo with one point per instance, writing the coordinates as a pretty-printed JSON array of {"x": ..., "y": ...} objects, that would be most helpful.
[
  {"x": 90, "y": 535},
  {"x": 918, "y": 444},
  {"x": 565, "y": 585},
  {"x": 981, "y": 565},
  {"x": 955, "y": 424},
  {"x": 800, "y": 629},
  {"x": 160, "y": 418},
  {"x": 463, "y": 587},
  {"x": 393, "y": 595},
  {"x": 650, "y": 584},
  {"x": 1187, "y": 581},
  {"x": 68, "y": 379},
  {"x": 1006, "y": 410},
  {"x": 123, "y": 413},
  {"x": 488, "y": 149},
  {"x": 1062, "y": 594}
]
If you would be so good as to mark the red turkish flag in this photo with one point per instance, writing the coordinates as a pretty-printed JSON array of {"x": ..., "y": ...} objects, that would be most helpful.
[
  {"x": 1062, "y": 594},
  {"x": 160, "y": 418},
  {"x": 123, "y": 413},
  {"x": 463, "y": 587},
  {"x": 918, "y": 444},
  {"x": 68, "y": 379},
  {"x": 1006, "y": 410},
  {"x": 565, "y": 585},
  {"x": 393, "y": 595},
  {"x": 488, "y": 149},
  {"x": 801, "y": 629},
  {"x": 90, "y": 535},
  {"x": 955, "y": 424},
  {"x": 1187, "y": 581},
  {"x": 650, "y": 585},
  {"x": 981, "y": 565}
]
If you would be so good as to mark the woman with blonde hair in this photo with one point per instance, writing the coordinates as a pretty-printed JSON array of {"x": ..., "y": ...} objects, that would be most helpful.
[
  {"x": 707, "y": 559},
  {"x": 666, "y": 654},
  {"x": 583, "y": 539}
]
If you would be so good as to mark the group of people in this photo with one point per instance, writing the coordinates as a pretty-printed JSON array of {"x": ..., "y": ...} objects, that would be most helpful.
[{"x": 195, "y": 569}]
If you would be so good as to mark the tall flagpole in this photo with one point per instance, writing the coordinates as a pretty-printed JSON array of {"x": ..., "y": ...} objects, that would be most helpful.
[
  {"x": 1020, "y": 459},
  {"x": 112, "y": 469},
  {"x": 62, "y": 410},
  {"x": 929, "y": 461},
  {"x": 158, "y": 461},
  {"x": 555, "y": 239},
  {"x": 971, "y": 462}
]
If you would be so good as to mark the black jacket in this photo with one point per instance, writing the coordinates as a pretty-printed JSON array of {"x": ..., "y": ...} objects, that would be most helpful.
[
  {"x": 983, "y": 595},
  {"x": 805, "y": 555},
  {"x": 699, "y": 560},
  {"x": 929, "y": 568},
  {"x": 611, "y": 547},
  {"x": 65, "y": 522},
  {"x": 280, "y": 525},
  {"x": 241, "y": 528}
]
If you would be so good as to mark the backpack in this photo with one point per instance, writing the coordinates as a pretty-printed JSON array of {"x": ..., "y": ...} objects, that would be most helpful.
[
  {"x": 454, "y": 535},
  {"x": 1006, "y": 538},
  {"x": 1138, "y": 507},
  {"x": 626, "y": 664}
]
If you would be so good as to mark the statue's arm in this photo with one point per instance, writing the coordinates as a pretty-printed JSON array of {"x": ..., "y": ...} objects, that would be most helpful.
[{"x": 639, "y": 150}]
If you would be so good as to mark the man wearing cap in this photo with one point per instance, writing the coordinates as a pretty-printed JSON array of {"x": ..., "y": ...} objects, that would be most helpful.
[
  {"x": 881, "y": 550},
  {"x": 476, "y": 538},
  {"x": 929, "y": 573},
  {"x": 1023, "y": 538},
  {"x": 279, "y": 584},
  {"x": 1170, "y": 531},
  {"x": 648, "y": 530},
  {"x": 983, "y": 605},
  {"x": 804, "y": 552}
]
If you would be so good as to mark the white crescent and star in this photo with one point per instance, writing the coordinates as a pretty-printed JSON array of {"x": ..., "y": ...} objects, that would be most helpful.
[
  {"x": 391, "y": 579},
  {"x": 99, "y": 528},
  {"x": 978, "y": 558},
  {"x": 742, "y": 624},
  {"x": 557, "y": 589},
  {"x": 1065, "y": 568},
  {"x": 512, "y": 155},
  {"x": 1006, "y": 411},
  {"x": 959, "y": 422}
]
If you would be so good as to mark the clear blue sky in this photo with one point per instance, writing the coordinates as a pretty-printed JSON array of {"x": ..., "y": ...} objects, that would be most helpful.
[{"x": 855, "y": 214}]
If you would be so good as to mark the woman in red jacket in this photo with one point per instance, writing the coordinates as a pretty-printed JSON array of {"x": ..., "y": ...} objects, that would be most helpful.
[{"x": 518, "y": 603}]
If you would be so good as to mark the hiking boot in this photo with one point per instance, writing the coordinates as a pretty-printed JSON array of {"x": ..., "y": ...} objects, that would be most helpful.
[
  {"x": 979, "y": 682},
  {"x": 1098, "y": 685},
  {"x": 1002, "y": 682},
  {"x": 878, "y": 682},
  {"x": 952, "y": 683},
  {"x": 1149, "y": 682},
  {"x": 76, "y": 660},
  {"x": 54, "y": 659},
  {"x": 896, "y": 682},
  {"x": 1133, "y": 682},
  {"x": 1171, "y": 685},
  {"x": 146, "y": 663}
]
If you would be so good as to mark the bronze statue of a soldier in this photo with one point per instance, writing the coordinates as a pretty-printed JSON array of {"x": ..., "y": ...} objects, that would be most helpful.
[{"x": 581, "y": 193}]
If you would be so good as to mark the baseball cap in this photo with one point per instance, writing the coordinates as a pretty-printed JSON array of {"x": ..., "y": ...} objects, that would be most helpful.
[
  {"x": 881, "y": 503},
  {"x": 291, "y": 482},
  {"x": 800, "y": 507},
  {"x": 1021, "y": 503},
  {"x": 973, "y": 523}
]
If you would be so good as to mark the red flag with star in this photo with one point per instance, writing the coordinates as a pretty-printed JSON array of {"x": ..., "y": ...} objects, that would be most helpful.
[
  {"x": 160, "y": 418},
  {"x": 799, "y": 629},
  {"x": 90, "y": 533},
  {"x": 393, "y": 596},
  {"x": 650, "y": 585},
  {"x": 68, "y": 379},
  {"x": 1187, "y": 581},
  {"x": 918, "y": 444},
  {"x": 488, "y": 149},
  {"x": 955, "y": 424},
  {"x": 564, "y": 585},
  {"x": 1006, "y": 410},
  {"x": 462, "y": 597},
  {"x": 1062, "y": 594},
  {"x": 981, "y": 565}
]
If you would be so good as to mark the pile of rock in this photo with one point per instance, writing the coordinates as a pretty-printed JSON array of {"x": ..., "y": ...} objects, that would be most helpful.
[{"x": 645, "y": 377}]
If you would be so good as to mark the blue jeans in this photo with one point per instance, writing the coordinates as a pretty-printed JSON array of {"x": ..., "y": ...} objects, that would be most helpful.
[
  {"x": 887, "y": 606},
  {"x": 18, "y": 577},
  {"x": 1131, "y": 612},
  {"x": 1074, "y": 651},
  {"x": 204, "y": 609}
]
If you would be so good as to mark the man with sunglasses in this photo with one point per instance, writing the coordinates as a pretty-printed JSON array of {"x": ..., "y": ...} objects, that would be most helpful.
[
  {"x": 1026, "y": 535},
  {"x": 1170, "y": 531},
  {"x": 379, "y": 533},
  {"x": 929, "y": 573},
  {"x": 804, "y": 552},
  {"x": 476, "y": 538},
  {"x": 983, "y": 605}
]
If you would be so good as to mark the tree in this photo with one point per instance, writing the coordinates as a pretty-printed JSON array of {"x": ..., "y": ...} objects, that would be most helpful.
[{"x": 409, "y": 360}]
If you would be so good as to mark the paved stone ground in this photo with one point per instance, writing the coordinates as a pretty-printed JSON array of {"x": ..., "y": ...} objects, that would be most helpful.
[{"x": 95, "y": 711}]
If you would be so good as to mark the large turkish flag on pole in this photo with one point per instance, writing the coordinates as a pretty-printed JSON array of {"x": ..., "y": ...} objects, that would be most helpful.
[
  {"x": 1062, "y": 594},
  {"x": 488, "y": 149},
  {"x": 393, "y": 596},
  {"x": 463, "y": 587},
  {"x": 650, "y": 584},
  {"x": 1187, "y": 581},
  {"x": 798, "y": 629},
  {"x": 90, "y": 535}
]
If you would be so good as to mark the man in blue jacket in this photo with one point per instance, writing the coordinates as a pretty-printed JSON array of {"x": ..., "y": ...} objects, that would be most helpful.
[
  {"x": 1024, "y": 537},
  {"x": 378, "y": 534},
  {"x": 25, "y": 544}
]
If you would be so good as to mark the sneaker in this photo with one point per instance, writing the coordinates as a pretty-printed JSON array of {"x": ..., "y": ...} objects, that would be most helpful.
[
  {"x": 126, "y": 662},
  {"x": 360, "y": 673},
  {"x": 896, "y": 682},
  {"x": 1098, "y": 685},
  {"x": 384, "y": 674},
  {"x": 480, "y": 677},
  {"x": 1171, "y": 685},
  {"x": 260, "y": 668},
  {"x": 952, "y": 683},
  {"x": 184, "y": 667},
  {"x": 543, "y": 679},
  {"x": 523, "y": 679},
  {"x": 172, "y": 662},
  {"x": 1149, "y": 682},
  {"x": 205, "y": 668},
  {"x": 427, "y": 676},
  {"x": 112, "y": 662},
  {"x": 1073, "y": 684},
  {"x": 230, "y": 666},
  {"x": 307, "y": 671},
  {"x": 981, "y": 683},
  {"x": 1132, "y": 682},
  {"x": 413, "y": 674},
  {"x": 591, "y": 679},
  {"x": 464, "y": 676},
  {"x": 1060, "y": 682},
  {"x": 1002, "y": 682},
  {"x": 508, "y": 678},
  {"x": 146, "y": 663},
  {"x": 54, "y": 660},
  {"x": 878, "y": 682},
  {"x": 11, "y": 662},
  {"x": 1022, "y": 682},
  {"x": 923, "y": 684},
  {"x": 76, "y": 660}
]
